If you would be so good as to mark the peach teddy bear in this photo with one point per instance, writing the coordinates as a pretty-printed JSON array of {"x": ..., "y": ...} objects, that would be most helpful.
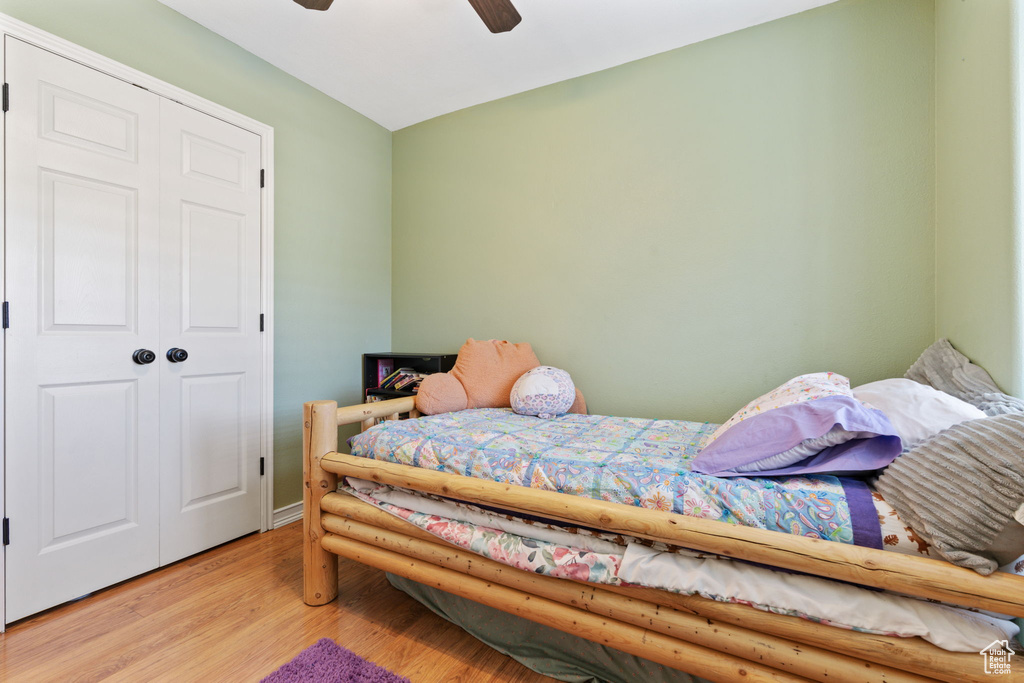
[{"x": 482, "y": 377}]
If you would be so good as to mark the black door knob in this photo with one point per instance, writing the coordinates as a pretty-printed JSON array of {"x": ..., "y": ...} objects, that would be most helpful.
[
  {"x": 177, "y": 355},
  {"x": 143, "y": 356}
]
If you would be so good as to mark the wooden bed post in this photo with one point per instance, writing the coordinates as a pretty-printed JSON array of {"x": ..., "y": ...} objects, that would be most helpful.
[{"x": 319, "y": 437}]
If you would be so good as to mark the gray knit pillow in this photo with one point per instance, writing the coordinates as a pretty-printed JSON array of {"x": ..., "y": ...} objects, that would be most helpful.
[
  {"x": 946, "y": 369},
  {"x": 962, "y": 490}
]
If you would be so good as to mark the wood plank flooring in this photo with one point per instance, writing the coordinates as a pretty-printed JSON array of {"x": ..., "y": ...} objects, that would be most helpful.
[{"x": 235, "y": 613}]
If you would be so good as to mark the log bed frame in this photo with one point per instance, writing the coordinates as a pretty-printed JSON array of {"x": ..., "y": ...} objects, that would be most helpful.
[{"x": 718, "y": 641}]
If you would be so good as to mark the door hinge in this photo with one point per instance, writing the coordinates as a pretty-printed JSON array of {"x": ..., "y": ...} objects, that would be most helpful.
[
  {"x": 261, "y": 322},
  {"x": 7, "y": 97},
  {"x": 7, "y": 531},
  {"x": 262, "y": 466},
  {"x": 5, "y": 315},
  {"x": 262, "y": 173}
]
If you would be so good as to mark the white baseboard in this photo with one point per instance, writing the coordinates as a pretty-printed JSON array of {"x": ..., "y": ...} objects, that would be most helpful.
[{"x": 287, "y": 514}]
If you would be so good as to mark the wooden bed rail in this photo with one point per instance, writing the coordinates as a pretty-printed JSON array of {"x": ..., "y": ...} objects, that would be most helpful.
[
  {"x": 366, "y": 413},
  {"x": 790, "y": 644},
  {"x": 636, "y": 640},
  {"x": 923, "y": 577}
]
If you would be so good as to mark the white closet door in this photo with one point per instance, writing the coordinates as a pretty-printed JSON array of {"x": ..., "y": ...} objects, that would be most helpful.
[
  {"x": 210, "y": 293},
  {"x": 82, "y": 433}
]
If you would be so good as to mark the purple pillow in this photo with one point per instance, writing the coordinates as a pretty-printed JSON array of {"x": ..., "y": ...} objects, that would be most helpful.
[{"x": 779, "y": 430}]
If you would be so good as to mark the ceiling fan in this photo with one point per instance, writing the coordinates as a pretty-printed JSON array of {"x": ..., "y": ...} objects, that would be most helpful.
[{"x": 498, "y": 15}]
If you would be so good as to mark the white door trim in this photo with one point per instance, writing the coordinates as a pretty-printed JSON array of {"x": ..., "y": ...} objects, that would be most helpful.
[
  {"x": 47, "y": 41},
  {"x": 3, "y": 348}
]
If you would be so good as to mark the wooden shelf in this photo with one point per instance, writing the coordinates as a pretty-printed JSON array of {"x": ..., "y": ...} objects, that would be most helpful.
[
  {"x": 376, "y": 366},
  {"x": 389, "y": 393}
]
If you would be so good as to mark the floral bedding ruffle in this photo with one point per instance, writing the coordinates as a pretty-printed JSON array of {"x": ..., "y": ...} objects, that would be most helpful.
[
  {"x": 634, "y": 461},
  {"x": 529, "y": 554},
  {"x": 602, "y": 558}
]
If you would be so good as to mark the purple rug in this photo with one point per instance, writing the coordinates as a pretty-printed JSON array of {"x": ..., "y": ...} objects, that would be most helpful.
[{"x": 327, "y": 662}]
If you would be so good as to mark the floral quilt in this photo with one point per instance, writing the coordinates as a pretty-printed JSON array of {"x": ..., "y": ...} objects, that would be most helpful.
[
  {"x": 529, "y": 554},
  {"x": 641, "y": 462}
]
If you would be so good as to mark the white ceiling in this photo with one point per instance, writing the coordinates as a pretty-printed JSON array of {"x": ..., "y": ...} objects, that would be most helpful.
[{"x": 399, "y": 62}]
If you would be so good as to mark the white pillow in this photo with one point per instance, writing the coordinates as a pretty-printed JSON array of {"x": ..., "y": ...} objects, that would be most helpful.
[
  {"x": 545, "y": 391},
  {"x": 917, "y": 411},
  {"x": 803, "y": 450}
]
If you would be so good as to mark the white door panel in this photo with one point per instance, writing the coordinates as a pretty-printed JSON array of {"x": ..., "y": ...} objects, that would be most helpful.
[
  {"x": 217, "y": 467},
  {"x": 82, "y": 278},
  {"x": 93, "y": 474},
  {"x": 213, "y": 264},
  {"x": 210, "y": 292},
  {"x": 97, "y": 246}
]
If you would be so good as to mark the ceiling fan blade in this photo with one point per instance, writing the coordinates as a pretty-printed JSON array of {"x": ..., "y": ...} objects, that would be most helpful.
[
  {"x": 499, "y": 15},
  {"x": 315, "y": 4}
]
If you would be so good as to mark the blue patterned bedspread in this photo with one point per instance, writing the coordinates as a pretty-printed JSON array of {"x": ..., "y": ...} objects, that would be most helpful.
[{"x": 634, "y": 461}]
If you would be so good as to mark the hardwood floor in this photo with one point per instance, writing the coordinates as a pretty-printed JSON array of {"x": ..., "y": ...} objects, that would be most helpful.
[{"x": 235, "y": 613}]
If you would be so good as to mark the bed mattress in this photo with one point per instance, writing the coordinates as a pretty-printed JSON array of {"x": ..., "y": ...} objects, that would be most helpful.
[{"x": 641, "y": 462}]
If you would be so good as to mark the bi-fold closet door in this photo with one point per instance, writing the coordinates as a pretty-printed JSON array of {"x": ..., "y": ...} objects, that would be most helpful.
[{"x": 132, "y": 223}]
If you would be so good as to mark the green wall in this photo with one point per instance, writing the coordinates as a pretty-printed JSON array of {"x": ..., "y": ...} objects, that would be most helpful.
[
  {"x": 332, "y": 195},
  {"x": 832, "y": 190},
  {"x": 978, "y": 183},
  {"x": 685, "y": 232}
]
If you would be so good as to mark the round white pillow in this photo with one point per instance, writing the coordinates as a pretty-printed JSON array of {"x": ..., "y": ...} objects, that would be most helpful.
[{"x": 544, "y": 391}]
